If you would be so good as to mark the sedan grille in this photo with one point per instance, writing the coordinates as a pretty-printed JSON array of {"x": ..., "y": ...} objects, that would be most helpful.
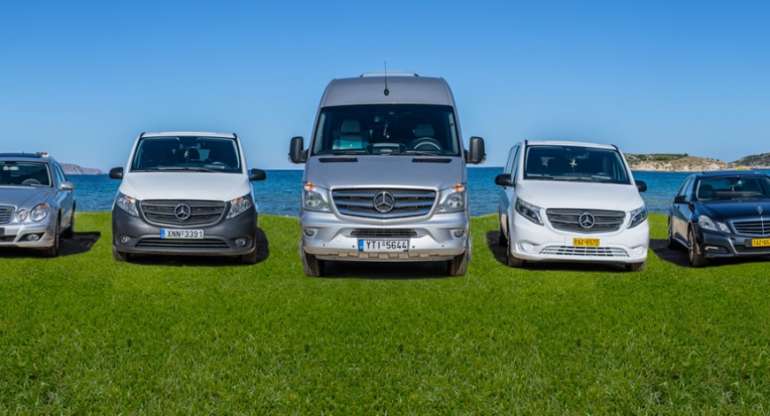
[
  {"x": 576, "y": 220},
  {"x": 389, "y": 203},
  {"x": 584, "y": 251},
  {"x": 6, "y": 213},
  {"x": 199, "y": 213},
  {"x": 756, "y": 227}
]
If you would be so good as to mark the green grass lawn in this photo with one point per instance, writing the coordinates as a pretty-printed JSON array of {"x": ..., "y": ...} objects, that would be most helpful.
[{"x": 83, "y": 334}]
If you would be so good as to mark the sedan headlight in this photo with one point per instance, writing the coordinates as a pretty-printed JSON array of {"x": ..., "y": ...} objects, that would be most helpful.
[
  {"x": 638, "y": 216},
  {"x": 39, "y": 212},
  {"x": 314, "y": 198},
  {"x": 453, "y": 199},
  {"x": 127, "y": 204},
  {"x": 707, "y": 223},
  {"x": 239, "y": 205},
  {"x": 529, "y": 211}
]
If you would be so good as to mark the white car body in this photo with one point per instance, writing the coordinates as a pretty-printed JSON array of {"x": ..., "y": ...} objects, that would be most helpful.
[{"x": 529, "y": 241}]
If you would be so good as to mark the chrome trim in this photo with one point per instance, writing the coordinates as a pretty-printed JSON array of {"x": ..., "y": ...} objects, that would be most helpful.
[
  {"x": 754, "y": 227},
  {"x": 568, "y": 219},
  {"x": 156, "y": 207},
  {"x": 584, "y": 251},
  {"x": 360, "y": 202}
]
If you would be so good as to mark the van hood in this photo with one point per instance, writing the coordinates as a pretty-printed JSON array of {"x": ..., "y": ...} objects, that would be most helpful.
[
  {"x": 580, "y": 195},
  {"x": 185, "y": 185},
  {"x": 385, "y": 171},
  {"x": 24, "y": 196}
]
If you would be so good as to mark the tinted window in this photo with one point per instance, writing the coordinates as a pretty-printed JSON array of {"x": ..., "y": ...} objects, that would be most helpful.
[
  {"x": 575, "y": 163},
  {"x": 24, "y": 174},
  {"x": 728, "y": 188},
  {"x": 387, "y": 129},
  {"x": 215, "y": 154}
]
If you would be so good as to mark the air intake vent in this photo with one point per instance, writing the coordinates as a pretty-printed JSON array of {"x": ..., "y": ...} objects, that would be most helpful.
[
  {"x": 196, "y": 213},
  {"x": 6, "y": 213},
  {"x": 586, "y": 220},
  {"x": 759, "y": 227},
  {"x": 384, "y": 203},
  {"x": 584, "y": 251}
]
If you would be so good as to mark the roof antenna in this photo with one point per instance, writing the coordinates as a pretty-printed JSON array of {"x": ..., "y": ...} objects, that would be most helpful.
[{"x": 386, "y": 91}]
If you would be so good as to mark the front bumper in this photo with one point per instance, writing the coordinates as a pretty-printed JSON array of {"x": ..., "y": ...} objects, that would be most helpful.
[
  {"x": 135, "y": 236},
  {"x": 533, "y": 242},
  {"x": 18, "y": 235},
  {"x": 437, "y": 238},
  {"x": 719, "y": 245}
]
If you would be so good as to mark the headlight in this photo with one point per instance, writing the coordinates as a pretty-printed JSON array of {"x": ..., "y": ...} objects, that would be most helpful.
[
  {"x": 638, "y": 216},
  {"x": 239, "y": 206},
  {"x": 127, "y": 204},
  {"x": 529, "y": 211},
  {"x": 39, "y": 212},
  {"x": 20, "y": 216},
  {"x": 314, "y": 198},
  {"x": 453, "y": 199},
  {"x": 708, "y": 224}
]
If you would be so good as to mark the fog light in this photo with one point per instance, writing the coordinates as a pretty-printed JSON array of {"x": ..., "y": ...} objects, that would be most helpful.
[
  {"x": 124, "y": 239},
  {"x": 310, "y": 232},
  {"x": 527, "y": 247},
  {"x": 241, "y": 242},
  {"x": 33, "y": 237},
  {"x": 458, "y": 233}
]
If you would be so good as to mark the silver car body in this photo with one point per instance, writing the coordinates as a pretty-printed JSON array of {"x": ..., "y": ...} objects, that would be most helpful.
[
  {"x": 59, "y": 197},
  {"x": 432, "y": 236}
]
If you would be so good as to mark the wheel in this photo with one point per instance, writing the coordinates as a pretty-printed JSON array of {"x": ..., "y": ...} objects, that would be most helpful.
[
  {"x": 636, "y": 267},
  {"x": 70, "y": 231},
  {"x": 458, "y": 266},
  {"x": 695, "y": 251},
  {"x": 119, "y": 255},
  {"x": 53, "y": 251},
  {"x": 250, "y": 258},
  {"x": 311, "y": 265},
  {"x": 510, "y": 260}
]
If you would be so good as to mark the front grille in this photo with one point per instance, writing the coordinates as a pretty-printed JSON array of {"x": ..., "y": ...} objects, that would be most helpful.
[
  {"x": 7, "y": 239},
  {"x": 569, "y": 220},
  {"x": 383, "y": 233},
  {"x": 162, "y": 212},
  {"x": 757, "y": 227},
  {"x": 406, "y": 202},
  {"x": 208, "y": 243},
  {"x": 6, "y": 213},
  {"x": 584, "y": 251}
]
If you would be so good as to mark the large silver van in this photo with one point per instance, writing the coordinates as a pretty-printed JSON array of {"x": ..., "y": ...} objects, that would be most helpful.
[{"x": 385, "y": 176}]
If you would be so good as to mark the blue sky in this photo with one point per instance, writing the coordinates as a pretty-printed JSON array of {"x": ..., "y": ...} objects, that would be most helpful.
[{"x": 81, "y": 79}]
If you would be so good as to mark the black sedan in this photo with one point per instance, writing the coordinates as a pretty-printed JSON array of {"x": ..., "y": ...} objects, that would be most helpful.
[{"x": 721, "y": 214}]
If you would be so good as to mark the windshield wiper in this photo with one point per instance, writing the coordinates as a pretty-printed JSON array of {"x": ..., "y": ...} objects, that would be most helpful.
[
  {"x": 418, "y": 153},
  {"x": 185, "y": 168}
]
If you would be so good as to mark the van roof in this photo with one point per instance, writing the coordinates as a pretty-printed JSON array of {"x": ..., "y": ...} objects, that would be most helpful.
[
  {"x": 188, "y": 133},
  {"x": 402, "y": 89},
  {"x": 568, "y": 143}
]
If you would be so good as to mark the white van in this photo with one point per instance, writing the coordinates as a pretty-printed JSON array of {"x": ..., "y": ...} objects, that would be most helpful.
[
  {"x": 572, "y": 201},
  {"x": 185, "y": 193}
]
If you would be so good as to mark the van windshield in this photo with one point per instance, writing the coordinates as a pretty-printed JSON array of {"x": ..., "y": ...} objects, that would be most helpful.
[
  {"x": 393, "y": 129},
  {"x": 203, "y": 154},
  {"x": 575, "y": 163},
  {"x": 24, "y": 174}
]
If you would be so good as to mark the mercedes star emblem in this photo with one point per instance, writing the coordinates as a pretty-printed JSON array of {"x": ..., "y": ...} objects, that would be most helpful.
[
  {"x": 586, "y": 220},
  {"x": 182, "y": 212},
  {"x": 384, "y": 202}
]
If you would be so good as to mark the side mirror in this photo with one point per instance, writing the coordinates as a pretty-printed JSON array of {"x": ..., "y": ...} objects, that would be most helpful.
[
  {"x": 297, "y": 152},
  {"x": 116, "y": 173},
  {"x": 680, "y": 199},
  {"x": 504, "y": 179},
  {"x": 67, "y": 186},
  {"x": 641, "y": 186},
  {"x": 476, "y": 154},
  {"x": 257, "y": 175}
]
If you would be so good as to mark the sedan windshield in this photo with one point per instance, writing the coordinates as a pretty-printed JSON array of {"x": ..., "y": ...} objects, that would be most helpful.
[
  {"x": 387, "y": 129},
  {"x": 731, "y": 188},
  {"x": 575, "y": 163},
  {"x": 202, "y": 154},
  {"x": 24, "y": 174}
]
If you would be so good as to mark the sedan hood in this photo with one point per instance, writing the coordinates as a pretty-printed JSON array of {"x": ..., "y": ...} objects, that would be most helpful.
[
  {"x": 580, "y": 195},
  {"x": 185, "y": 185},
  {"x": 24, "y": 196},
  {"x": 726, "y": 210},
  {"x": 385, "y": 171}
]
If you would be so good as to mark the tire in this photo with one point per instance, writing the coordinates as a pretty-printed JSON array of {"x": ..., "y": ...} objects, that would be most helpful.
[
  {"x": 636, "y": 267},
  {"x": 695, "y": 254},
  {"x": 53, "y": 251},
  {"x": 458, "y": 266},
  {"x": 250, "y": 258},
  {"x": 311, "y": 265},
  {"x": 120, "y": 256},
  {"x": 510, "y": 260},
  {"x": 70, "y": 231}
]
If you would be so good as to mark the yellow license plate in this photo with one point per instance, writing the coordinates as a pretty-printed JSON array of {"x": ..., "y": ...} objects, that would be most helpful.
[
  {"x": 585, "y": 242},
  {"x": 760, "y": 242}
]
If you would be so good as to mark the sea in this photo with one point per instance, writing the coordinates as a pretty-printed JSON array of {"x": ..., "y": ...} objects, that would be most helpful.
[{"x": 280, "y": 193}]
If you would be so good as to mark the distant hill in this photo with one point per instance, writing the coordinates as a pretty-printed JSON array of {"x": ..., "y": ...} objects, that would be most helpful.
[
  {"x": 675, "y": 162},
  {"x": 755, "y": 161},
  {"x": 73, "y": 169}
]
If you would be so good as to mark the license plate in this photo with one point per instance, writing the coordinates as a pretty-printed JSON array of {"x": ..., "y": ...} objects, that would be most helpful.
[
  {"x": 383, "y": 246},
  {"x": 760, "y": 242},
  {"x": 181, "y": 234},
  {"x": 586, "y": 242}
]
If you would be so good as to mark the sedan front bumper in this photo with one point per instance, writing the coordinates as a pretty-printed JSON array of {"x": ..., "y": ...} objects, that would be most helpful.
[
  {"x": 719, "y": 245},
  {"x": 39, "y": 235}
]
